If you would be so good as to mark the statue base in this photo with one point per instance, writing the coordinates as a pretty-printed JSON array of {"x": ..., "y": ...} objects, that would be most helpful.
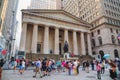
[{"x": 66, "y": 55}]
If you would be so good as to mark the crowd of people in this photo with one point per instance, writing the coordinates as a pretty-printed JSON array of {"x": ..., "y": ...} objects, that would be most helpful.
[{"x": 47, "y": 66}]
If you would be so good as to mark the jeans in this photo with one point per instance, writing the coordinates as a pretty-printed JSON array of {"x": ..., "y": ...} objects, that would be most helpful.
[{"x": 98, "y": 75}]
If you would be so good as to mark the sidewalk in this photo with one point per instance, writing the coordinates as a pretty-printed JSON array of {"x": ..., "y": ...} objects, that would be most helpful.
[{"x": 27, "y": 75}]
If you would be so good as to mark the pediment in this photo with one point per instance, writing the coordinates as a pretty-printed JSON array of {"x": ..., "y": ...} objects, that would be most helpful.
[{"x": 57, "y": 15}]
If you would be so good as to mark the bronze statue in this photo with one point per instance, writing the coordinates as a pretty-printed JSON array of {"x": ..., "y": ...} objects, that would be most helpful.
[{"x": 65, "y": 48}]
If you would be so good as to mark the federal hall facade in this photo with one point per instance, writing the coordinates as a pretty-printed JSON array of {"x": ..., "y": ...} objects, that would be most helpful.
[{"x": 45, "y": 31}]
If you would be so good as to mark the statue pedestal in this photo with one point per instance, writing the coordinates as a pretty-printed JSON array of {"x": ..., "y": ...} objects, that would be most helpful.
[{"x": 66, "y": 55}]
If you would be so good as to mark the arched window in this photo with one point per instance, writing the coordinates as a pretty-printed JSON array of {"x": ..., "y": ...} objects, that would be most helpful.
[
  {"x": 100, "y": 40},
  {"x": 116, "y": 53},
  {"x": 118, "y": 41},
  {"x": 113, "y": 39},
  {"x": 93, "y": 42}
]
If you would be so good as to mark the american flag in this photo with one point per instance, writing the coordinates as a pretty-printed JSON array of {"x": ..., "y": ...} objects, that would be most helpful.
[{"x": 118, "y": 36}]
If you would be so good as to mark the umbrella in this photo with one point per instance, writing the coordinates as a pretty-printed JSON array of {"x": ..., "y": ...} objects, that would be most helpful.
[{"x": 106, "y": 56}]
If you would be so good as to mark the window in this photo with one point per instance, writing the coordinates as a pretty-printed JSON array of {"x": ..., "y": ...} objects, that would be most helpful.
[
  {"x": 111, "y": 30},
  {"x": 92, "y": 34},
  {"x": 116, "y": 53},
  {"x": 113, "y": 39},
  {"x": 118, "y": 41},
  {"x": 100, "y": 40},
  {"x": 98, "y": 31},
  {"x": 117, "y": 31},
  {"x": 93, "y": 42}
]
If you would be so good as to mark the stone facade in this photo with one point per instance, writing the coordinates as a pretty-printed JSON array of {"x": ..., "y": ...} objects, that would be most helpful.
[{"x": 45, "y": 31}]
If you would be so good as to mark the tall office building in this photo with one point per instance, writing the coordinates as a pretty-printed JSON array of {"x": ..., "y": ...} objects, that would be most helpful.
[
  {"x": 3, "y": 9},
  {"x": 105, "y": 17},
  {"x": 8, "y": 23},
  {"x": 70, "y": 6},
  {"x": 42, "y": 4}
]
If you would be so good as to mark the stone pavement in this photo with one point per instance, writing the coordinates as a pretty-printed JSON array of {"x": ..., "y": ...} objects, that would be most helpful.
[{"x": 27, "y": 75}]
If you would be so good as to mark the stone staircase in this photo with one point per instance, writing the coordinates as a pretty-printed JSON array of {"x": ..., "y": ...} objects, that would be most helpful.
[
  {"x": 56, "y": 57},
  {"x": 41, "y": 56}
]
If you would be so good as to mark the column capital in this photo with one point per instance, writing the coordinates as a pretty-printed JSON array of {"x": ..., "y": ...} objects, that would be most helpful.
[{"x": 47, "y": 25}]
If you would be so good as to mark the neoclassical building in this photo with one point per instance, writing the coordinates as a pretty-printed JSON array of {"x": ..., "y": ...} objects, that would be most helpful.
[{"x": 45, "y": 31}]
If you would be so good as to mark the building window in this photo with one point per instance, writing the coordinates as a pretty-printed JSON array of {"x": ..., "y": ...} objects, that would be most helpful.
[
  {"x": 94, "y": 53},
  {"x": 116, "y": 53},
  {"x": 118, "y": 41},
  {"x": 93, "y": 42},
  {"x": 98, "y": 31},
  {"x": 111, "y": 30},
  {"x": 92, "y": 34},
  {"x": 117, "y": 31},
  {"x": 113, "y": 39},
  {"x": 100, "y": 40}
]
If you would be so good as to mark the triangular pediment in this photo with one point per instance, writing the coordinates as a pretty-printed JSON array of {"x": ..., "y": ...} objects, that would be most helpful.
[{"x": 56, "y": 14}]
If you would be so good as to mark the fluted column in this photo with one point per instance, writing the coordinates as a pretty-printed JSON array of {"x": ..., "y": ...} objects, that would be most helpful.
[
  {"x": 75, "y": 47},
  {"x": 66, "y": 35},
  {"x": 56, "y": 41},
  {"x": 89, "y": 44},
  {"x": 46, "y": 40},
  {"x": 34, "y": 39},
  {"x": 23, "y": 37},
  {"x": 83, "y": 50}
]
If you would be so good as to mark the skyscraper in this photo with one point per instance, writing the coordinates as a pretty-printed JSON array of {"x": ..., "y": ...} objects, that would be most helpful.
[
  {"x": 42, "y": 4},
  {"x": 8, "y": 10},
  {"x": 70, "y": 6},
  {"x": 105, "y": 17}
]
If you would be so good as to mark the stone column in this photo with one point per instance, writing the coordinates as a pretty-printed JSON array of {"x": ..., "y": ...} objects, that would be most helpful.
[
  {"x": 56, "y": 41},
  {"x": 83, "y": 50},
  {"x": 46, "y": 41},
  {"x": 75, "y": 47},
  {"x": 89, "y": 44},
  {"x": 23, "y": 37},
  {"x": 34, "y": 39},
  {"x": 66, "y": 35}
]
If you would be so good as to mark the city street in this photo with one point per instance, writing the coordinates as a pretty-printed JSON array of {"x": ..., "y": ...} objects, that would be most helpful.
[{"x": 27, "y": 75}]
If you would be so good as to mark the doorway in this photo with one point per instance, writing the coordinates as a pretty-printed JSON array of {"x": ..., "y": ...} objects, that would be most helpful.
[{"x": 60, "y": 49}]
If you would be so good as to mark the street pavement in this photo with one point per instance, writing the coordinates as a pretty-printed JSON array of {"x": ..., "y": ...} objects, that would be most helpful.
[{"x": 28, "y": 75}]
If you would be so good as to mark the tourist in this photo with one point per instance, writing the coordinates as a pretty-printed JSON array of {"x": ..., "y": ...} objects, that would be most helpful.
[
  {"x": 1, "y": 65},
  {"x": 87, "y": 67},
  {"x": 113, "y": 73},
  {"x": 20, "y": 67},
  {"x": 69, "y": 67},
  {"x": 37, "y": 67},
  {"x": 48, "y": 65},
  {"x": 78, "y": 65},
  {"x": 92, "y": 64},
  {"x": 23, "y": 65},
  {"x": 118, "y": 71},
  {"x": 75, "y": 66},
  {"x": 63, "y": 65},
  {"x": 98, "y": 68},
  {"x": 58, "y": 64},
  {"x": 15, "y": 64},
  {"x": 103, "y": 67},
  {"x": 44, "y": 67}
]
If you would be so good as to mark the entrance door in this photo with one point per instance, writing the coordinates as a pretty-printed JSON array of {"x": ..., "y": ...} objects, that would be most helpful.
[
  {"x": 38, "y": 48},
  {"x": 60, "y": 49}
]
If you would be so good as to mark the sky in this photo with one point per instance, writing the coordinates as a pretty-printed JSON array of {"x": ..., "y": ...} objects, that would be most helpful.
[{"x": 23, "y": 4}]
